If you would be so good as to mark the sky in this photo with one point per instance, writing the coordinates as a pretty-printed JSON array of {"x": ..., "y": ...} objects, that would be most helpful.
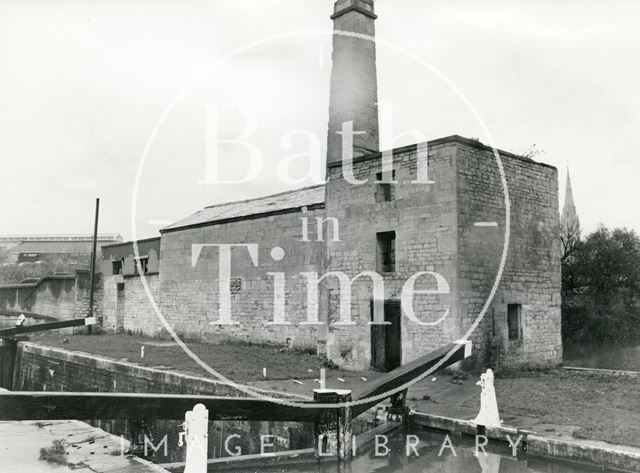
[{"x": 114, "y": 99}]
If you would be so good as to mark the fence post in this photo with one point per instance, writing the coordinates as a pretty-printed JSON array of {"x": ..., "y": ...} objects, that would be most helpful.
[{"x": 333, "y": 435}]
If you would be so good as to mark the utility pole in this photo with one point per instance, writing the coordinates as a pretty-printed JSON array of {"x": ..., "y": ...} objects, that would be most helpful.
[{"x": 93, "y": 262}]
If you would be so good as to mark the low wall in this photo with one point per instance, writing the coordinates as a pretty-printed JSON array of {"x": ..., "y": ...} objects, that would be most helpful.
[
  {"x": 42, "y": 368},
  {"x": 53, "y": 297},
  {"x": 586, "y": 452}
]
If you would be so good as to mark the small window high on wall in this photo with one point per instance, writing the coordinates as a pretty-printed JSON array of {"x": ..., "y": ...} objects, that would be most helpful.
[
  {"x": 143, "y": 264},
  {"x": 514, "y": 321},
  {"x": 384, "y": 190},
  {"x": 386, "y": 258},
  {"x": 116, "y": 266}
]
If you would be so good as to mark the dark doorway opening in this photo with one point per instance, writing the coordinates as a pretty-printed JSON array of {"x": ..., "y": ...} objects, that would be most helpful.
[
  {"x": 386, "y": 348},
  {"x": 120, "y": 306}
]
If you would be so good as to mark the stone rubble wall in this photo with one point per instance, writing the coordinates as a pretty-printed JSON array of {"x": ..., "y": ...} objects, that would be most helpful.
[
  {"x": 424, "y": 219},
  {"x": 52, "y": 297},
  {"x": 531, "y": 274}
]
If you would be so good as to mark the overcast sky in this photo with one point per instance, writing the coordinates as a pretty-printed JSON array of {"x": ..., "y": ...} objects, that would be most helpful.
[{"x": 84, "y": 83}]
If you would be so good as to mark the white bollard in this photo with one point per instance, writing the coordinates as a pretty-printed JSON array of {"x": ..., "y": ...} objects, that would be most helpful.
[
  {"x": 488, "y": 415},
  {"x": 489, "y": 463},
  {"x": 21, "y": 320},
  {"x": 196, "y": 435}
]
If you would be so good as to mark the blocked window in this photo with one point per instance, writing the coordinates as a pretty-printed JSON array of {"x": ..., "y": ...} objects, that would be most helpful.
[
  {"x": 235, "y": 285},
  {"x": 384, "y": 190},
  {"x": 514, "y": 321},
  {"x": 386, "y": 258}
]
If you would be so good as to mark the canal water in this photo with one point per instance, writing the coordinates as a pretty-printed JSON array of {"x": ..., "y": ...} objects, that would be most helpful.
[
  {"x": 436, "y": 452},
  {"x": 457, "y": 457},
  {"x": 604, "y": 356},
  {"x": 20, "y": 444}
]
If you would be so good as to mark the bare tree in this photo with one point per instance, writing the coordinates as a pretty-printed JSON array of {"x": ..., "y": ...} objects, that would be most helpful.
[{"x": 570, "y": 236}]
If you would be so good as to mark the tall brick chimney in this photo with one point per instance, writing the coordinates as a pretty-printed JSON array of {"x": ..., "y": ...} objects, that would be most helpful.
[{"x": 354, "y": 83}]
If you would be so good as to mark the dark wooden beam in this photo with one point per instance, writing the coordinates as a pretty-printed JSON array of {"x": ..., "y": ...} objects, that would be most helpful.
[
  {"x": 10, "y": 332},
  {"x": 68, "y": 405},
  {"x": 400, "y": 376}
]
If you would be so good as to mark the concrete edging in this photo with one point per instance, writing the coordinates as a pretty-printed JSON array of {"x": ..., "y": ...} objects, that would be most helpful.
[
  {"x": 632, "y": 374},
  {"x": 593, "y": 453}
]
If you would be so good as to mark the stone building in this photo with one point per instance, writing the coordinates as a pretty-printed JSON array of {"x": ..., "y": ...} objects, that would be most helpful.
[
  {"x": 419, "y": 254},
  {"x": 63, "y": 249},
  {"x": 48, "y": 276}
]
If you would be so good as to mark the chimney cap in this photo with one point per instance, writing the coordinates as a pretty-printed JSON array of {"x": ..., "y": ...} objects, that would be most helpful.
[{"x": 366, "y": 7}]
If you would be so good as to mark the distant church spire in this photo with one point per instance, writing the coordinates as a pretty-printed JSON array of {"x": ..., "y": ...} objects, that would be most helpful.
[
  {"x": 354, "y": 87},
  {"x": 569, "y": 218}
]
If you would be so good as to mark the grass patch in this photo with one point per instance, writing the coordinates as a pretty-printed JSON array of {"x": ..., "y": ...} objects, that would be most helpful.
[
  {"x": 239, "y": 361},
  {"x": 604, "y": 407},
  {"x": 56, "y": 453},
  {"x": 593, "y": 406}
]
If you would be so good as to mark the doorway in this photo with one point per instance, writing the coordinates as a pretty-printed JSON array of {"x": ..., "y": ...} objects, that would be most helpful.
[
  {"x": 120, "y": 306},
  {"x": 386, "y": 348}
]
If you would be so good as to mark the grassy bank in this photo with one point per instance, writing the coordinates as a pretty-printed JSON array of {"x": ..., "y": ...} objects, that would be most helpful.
[
  {"x": 240, "y": 362},
  {"x": 558, "y": 403}
]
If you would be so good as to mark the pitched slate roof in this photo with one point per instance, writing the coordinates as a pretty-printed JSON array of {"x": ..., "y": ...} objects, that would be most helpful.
[{"x": 275, "y": 203}]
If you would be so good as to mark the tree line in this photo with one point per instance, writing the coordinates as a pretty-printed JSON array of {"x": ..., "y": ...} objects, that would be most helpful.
[{"x": 600, "y": 285}]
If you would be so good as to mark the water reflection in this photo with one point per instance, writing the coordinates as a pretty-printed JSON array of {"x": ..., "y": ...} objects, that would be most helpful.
[
  {"x": 604, "y": 356},
  {"x": 498, "y": 459},
  {"x": 435, "y": 452}
]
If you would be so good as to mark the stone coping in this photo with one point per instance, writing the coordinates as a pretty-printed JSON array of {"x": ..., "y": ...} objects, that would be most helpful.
[
  {"x": 632, "y": 374},
  {"x": 587, "y": 452}
]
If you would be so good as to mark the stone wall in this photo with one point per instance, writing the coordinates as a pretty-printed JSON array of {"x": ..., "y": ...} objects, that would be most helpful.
[
  {"x": 424, "y": 219},
  {"x": 127, "y": 307},
  {"x": 454, "y": 227},
  {"x": 51, "y": 297},
  {"x": 41, "y": 368},
  {"x": 531, "y": 275},
  {"x": 83, "y": 290},
  {"x": 189, "y": 293}
]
